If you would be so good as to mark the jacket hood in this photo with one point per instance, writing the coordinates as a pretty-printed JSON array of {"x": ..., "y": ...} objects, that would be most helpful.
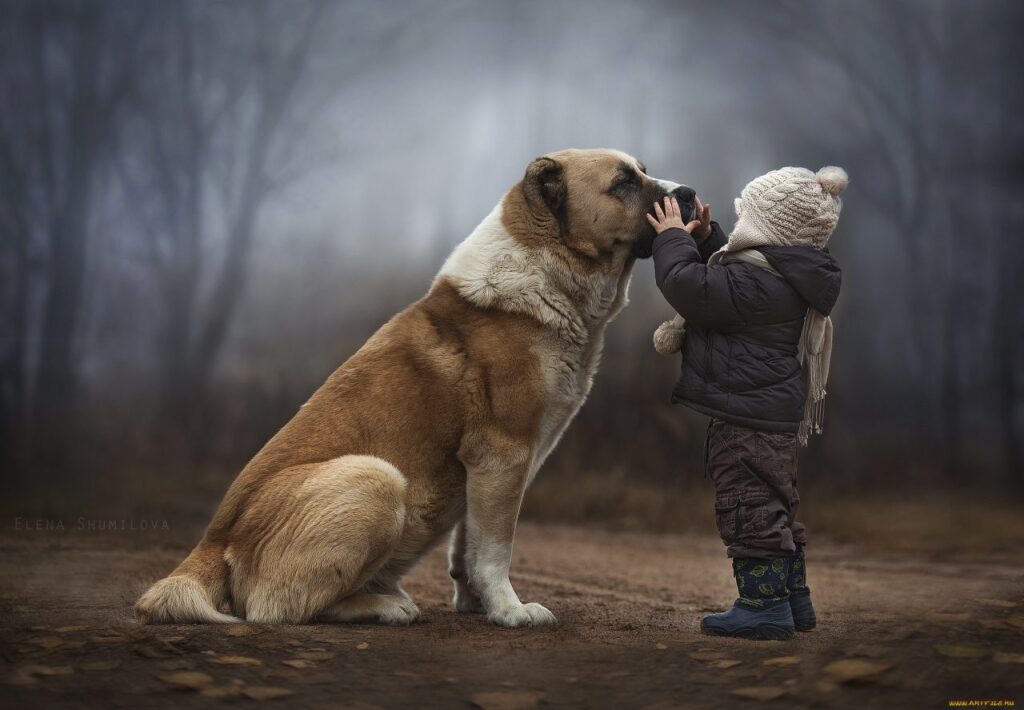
[{"x": 814, "y": 273}]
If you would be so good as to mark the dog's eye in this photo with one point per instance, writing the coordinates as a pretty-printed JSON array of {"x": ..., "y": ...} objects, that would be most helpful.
[{"x": 627, "y": 183}]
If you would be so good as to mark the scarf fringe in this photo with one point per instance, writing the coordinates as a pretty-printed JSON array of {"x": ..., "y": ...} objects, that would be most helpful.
[{"x": 815, "y": 353}]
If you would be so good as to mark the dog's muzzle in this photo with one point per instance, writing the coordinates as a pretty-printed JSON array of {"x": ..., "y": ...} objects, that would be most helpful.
[{"x": 643, "y": 247}]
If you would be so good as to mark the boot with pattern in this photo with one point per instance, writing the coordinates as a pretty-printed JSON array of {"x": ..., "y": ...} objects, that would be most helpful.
[
  {"x": 799, "y": 593},
  {"x": 762, "y": 610}
]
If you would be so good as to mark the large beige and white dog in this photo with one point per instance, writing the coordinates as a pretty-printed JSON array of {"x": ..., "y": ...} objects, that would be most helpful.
[{"x": 435, "y": 425}]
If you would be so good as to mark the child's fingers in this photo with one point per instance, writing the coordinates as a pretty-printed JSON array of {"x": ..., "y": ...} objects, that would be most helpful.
[
  {"x": 675, "y": 209},
  {"x": 658, "y": 211},
  {"x": 698, "y": 208},
  {"x": 692, "y": 226},
  {"x": 650, "y": 218},
  {"x": 668, "y": 205}
]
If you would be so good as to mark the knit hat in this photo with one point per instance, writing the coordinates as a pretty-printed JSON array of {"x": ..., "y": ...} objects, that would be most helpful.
[{"x": 789, "y": 207}]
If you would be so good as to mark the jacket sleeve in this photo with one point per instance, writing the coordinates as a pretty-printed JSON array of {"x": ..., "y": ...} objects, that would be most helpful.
[
  {"x": 701, "y": 294},
  {"x": 712, "y": 243}
]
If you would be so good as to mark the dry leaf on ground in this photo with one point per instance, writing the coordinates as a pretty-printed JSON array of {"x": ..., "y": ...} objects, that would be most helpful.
[
  {"x": 243, "y": 630},
  {"x": 299, "y": 663},
  {"x": 998, "y": 603},
  {"x": 362, "y": 646},
  {"x": 962, "y": 651},
  {"x": 510, "y": 700},
  {"x": 724, "y": 664},
  {"x": 37, "y": 670},
  {"x": 708, "y": 655},
  {"x": 99, "y": 665},
  {"x": 782, "y": 661},
  {"x": 222, "y": 692},
  {"x": 187, "y": 680},
  {"x": 235, "y": 661},
  {"x": 314, "y": 655},
  {"x": 855, "y": 671},
  {"x": 1008, "y": 658},
  {"x": 764, "y": 692},
  {"x": 1016, "y": 620},
  {"x": 48, "y": 642},
  {"x": 265, "y": 692}
]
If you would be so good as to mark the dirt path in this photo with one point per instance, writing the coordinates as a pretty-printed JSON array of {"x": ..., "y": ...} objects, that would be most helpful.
[{"x": 913, "y": 633}]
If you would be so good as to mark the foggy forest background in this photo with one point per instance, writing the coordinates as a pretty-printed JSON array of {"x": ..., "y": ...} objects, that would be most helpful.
[{"x": 205, "y": 207}]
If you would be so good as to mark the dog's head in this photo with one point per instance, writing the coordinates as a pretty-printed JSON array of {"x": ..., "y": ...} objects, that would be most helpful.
[{"x": 597, "y": 201}]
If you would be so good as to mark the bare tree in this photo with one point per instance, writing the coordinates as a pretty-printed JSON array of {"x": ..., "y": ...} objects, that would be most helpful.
[{"x": 68, "y": 69}]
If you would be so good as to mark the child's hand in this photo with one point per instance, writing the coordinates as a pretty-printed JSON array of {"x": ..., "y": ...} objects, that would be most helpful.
[{"x": 671, "y": 217}]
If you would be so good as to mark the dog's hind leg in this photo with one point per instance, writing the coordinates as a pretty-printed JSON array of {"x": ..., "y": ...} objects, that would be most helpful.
[{"x": 320, "y": 541}]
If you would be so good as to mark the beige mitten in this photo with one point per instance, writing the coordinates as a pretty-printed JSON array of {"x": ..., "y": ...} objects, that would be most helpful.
[{"x": 668, "y": 338}]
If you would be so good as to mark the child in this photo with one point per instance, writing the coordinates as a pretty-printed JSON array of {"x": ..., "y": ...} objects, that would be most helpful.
[{"x": 755, "y": 359}]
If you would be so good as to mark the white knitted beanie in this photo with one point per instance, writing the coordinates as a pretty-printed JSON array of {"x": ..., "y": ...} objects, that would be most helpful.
[{"x": 789, "y": 207}]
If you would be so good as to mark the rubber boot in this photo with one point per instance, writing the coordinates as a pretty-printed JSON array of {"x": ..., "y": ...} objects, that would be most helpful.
[
  {"x": 762, "y": 610},
  {"x": 799, "y": 593}
]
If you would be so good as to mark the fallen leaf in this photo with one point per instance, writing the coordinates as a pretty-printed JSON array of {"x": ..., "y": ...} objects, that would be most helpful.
[
  {"x": 314, "y": 655},
  {"x": 510, "y": 700},
  {"x": 1008, "y": 658},
  {"x": 48, "y": 642},
  {"x": 176, "y": 664},
  {"x": 243, "y": 630},
  {"x": 868, "y": 650},
  {"x": 36, "y": 670},
  {"x": 855, "y": 671},
  {"x": 660, "y": 646},
  {"x": 998, "y": 603},
  {"x": 265, "y": 692},
  {"x": 724, "y": 664},
  {"x": 187, "y": 680},
  {"x": 362, "y": 646},
  {"x": 707, "y": 655},
  {"x": 70, "y": 629},
  {"x": 235, "y": 661},
  {"x": 149, "y": 652},
  {"x": 782, "y": 661},
  {"x": 764, "y": 692},
  {"x": 221, "y": 692},
  {"x": 99, "y": 665},
  {"x": 1016, "y": 620},
  {"x": 299, "y": 663},
  {"x": 962, "y": 651}
]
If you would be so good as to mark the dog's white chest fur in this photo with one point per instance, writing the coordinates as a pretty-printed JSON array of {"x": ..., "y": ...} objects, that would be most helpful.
[{"x": 491, "y": 269}]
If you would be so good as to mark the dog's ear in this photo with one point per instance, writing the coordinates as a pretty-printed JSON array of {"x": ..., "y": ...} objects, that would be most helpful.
[{"x": 544, "y": 185}]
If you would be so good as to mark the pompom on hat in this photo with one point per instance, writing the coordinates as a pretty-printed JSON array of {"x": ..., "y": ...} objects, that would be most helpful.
[{"x": 789, "y": 207}]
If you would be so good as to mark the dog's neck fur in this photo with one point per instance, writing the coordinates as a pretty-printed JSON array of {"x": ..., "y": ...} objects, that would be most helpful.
[{"x": 491, "y": 269}]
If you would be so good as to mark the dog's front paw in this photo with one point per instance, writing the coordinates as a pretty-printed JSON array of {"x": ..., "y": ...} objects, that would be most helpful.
[{"x": 531, "y": 614}]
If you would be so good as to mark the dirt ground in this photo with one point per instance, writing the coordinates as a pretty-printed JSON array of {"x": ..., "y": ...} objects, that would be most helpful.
[{"x": 896, "y": 631}]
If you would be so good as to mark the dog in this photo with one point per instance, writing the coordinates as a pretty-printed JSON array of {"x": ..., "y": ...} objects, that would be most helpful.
[{"x": 437, "y": 424}]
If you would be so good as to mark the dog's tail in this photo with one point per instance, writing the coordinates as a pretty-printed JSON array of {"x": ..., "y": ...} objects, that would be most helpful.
[{"x": 192, "y": 592}]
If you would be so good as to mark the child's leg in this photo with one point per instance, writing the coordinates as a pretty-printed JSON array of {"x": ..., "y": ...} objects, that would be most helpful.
[{"x": 754, "y": 475}]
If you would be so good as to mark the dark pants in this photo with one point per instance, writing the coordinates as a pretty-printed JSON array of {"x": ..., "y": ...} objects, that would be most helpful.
[{"x": 754, "y": 474}]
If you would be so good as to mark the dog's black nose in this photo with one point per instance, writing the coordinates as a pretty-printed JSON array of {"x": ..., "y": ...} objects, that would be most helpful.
[{"x": 684, "y": 193}]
